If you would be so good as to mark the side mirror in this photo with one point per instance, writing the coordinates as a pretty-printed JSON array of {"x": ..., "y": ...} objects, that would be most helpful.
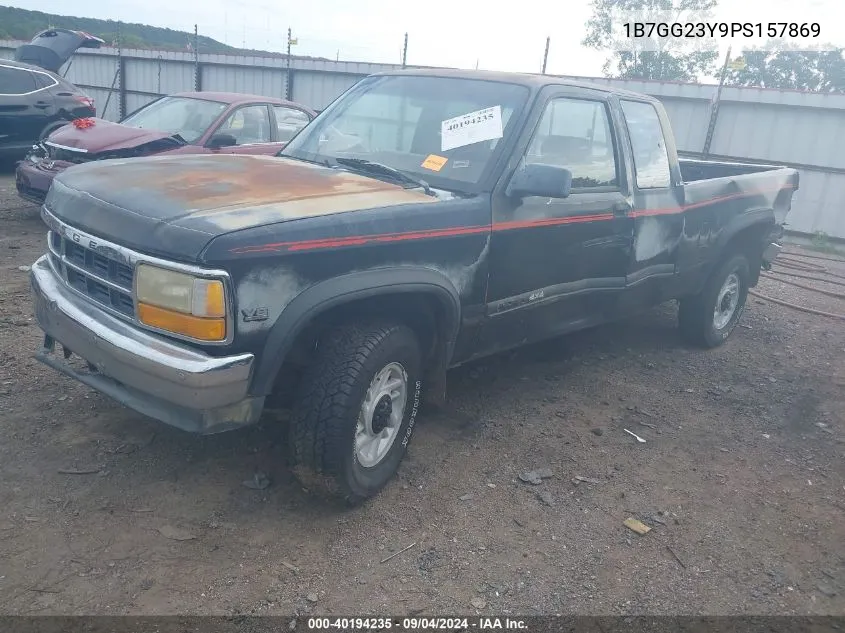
[
  {"x": 544, "y": 181},
  {"x": 222, "y": 140}
]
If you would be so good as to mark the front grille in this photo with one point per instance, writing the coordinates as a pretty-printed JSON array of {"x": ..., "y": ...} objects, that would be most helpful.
[{"x": 104, "y": 280}]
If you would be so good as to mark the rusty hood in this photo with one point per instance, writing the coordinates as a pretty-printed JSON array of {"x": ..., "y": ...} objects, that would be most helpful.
[{"x": 174, "y": 205}]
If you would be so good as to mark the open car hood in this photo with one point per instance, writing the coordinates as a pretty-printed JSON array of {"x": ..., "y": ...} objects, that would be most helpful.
[
  {"x": 105, "y": 136},
  {"x": 50, "y": 49}
]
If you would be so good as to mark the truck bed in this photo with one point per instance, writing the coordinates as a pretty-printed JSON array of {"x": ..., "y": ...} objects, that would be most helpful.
[
  {"x": 740, "y": 185},
  {"x": 693, "y": 169}
]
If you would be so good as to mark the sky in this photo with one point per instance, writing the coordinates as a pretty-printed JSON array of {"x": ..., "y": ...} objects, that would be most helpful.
[{"x": 491, "y": 36}]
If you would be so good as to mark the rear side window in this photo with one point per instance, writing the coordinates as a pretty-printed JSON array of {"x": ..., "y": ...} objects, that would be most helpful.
[
  {"x": 43, "y": 80},
  {"x": 651, "y": 162},
  {"x": 15, "y": 81}
]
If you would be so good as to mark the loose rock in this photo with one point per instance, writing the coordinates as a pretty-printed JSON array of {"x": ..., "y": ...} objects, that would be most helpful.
[
  {"x": 536, "y": 477},
  {"x": 312, "y": 597},
  {"x": 827, "y": 590},
  {"x": 258, "y": 482},
  {"x": 175, "y": 534},
  {"x": 478, "y": 603}
]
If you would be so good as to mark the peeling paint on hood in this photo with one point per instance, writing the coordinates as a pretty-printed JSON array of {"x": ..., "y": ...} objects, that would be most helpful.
[{"x": 202, "y": 196}]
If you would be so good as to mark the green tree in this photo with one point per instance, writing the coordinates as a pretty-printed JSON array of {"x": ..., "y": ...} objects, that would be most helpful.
[
  {"x": 820, "y": 71},
  {"x": 672, "y": 60}
]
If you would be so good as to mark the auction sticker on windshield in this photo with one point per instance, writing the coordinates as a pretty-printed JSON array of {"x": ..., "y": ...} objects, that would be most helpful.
[
  {"x": 434, "y": 162},
  {"x": 481, "y": 125}
]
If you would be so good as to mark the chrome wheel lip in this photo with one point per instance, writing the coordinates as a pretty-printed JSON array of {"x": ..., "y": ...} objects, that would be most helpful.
[
  {"x": 727, "y": 301},
  {"x": 390, "y": 384}
]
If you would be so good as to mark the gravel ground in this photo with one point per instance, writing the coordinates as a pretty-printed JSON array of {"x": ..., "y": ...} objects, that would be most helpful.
[{"x": 741, "y": 479}]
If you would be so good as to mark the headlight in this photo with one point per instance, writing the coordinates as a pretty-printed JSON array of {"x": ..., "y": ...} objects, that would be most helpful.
[{"x": 181, "y": 303}]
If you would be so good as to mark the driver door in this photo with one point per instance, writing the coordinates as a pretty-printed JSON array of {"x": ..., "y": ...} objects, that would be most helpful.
[
  {"x": 560, "y": 264},
  {"x": 250, "y": 125}
]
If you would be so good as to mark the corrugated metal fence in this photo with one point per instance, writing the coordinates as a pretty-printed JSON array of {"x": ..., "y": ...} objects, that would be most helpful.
[{"x": 797, "y": 129}]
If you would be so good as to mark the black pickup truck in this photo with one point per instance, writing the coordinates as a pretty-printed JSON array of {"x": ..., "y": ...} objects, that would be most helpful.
[{"x": 424, "y": 219}]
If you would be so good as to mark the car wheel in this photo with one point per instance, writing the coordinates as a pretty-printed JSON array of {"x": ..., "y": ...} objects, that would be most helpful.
[
  {"x": 356, "y": 409},
  {"x": 708, "y": 318}
]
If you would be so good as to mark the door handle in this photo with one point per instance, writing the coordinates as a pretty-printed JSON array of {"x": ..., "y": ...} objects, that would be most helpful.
[
  {"x": 621, "y": 208},
  {"x": 41, "y": 105}
]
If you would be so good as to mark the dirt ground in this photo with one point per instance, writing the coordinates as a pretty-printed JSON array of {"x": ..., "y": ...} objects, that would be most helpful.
[{"x": 741, "y": 478}]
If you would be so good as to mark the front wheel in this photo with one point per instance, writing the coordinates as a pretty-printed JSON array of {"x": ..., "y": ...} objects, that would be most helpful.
[
  {"x": 708, "y": 318},
  {"x": 356, "y": 409}
]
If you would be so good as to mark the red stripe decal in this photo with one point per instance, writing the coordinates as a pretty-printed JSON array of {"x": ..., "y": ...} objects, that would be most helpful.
[{"x": 358, "y": 240}]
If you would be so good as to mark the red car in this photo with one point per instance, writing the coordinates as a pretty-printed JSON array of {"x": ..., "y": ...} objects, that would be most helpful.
[{"x": 184, "y": 123}]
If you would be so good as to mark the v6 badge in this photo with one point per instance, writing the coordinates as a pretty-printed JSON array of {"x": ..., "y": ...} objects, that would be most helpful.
[{"x": 255, "y": 314}]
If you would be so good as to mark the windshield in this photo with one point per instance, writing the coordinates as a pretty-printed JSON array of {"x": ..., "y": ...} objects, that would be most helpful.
[
  {"x": 442, "y": 130},
  {"x": 188, "y": 117}
]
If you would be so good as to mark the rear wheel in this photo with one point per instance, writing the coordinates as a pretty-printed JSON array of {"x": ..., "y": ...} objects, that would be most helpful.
[
  {"x": 355, "y": 412},
  {"x": 708, "y": 318}
]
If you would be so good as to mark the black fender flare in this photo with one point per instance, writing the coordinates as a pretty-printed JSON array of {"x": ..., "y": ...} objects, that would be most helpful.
[
  {"x": 761, "y": 217},
  {"x": 336, "y": 291},
  {"x": 738, "y": 223}
]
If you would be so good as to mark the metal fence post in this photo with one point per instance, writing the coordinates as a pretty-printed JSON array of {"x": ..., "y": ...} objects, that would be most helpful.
[
  {"x": 546, "y": 54},
  {"x": 714, "y": 109},
  {"x": 121, "y": 74},
  {"x": 405, "y": 52},
  {"x": 197, "y": 70}
]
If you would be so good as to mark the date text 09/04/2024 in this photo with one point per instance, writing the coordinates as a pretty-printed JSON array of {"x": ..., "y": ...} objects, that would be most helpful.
[
  {"x": 416, "y": 624},
  {"x": 777, "y": 30}
]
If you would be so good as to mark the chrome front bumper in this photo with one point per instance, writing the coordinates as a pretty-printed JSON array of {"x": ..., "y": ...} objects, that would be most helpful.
[{"x": 150, "y": 374}]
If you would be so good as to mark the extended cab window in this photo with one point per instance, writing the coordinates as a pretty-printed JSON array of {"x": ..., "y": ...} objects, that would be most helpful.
[
  {"x": 575, "y": 134},
  {"x": 651, "y": 162}
]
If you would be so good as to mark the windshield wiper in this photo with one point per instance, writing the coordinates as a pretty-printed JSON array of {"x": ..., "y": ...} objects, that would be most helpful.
[
  {"x": 371, "y": 167},
  {"x": 324, "y": 163}
]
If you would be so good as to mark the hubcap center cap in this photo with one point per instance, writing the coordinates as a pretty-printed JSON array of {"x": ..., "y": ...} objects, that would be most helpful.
[{"x": 382, "y": 413}]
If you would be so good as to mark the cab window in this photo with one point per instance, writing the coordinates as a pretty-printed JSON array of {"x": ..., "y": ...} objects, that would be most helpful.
[
  {"x": 249, "y": 125},
  {"x": 575, "y": 134}
]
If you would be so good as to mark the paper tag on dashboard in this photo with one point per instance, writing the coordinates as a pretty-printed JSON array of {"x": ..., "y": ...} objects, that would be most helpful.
[{"x": 481, "y": 125}]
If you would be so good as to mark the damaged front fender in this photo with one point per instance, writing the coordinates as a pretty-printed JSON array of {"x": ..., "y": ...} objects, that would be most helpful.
[{"x": 337, "y": 291}]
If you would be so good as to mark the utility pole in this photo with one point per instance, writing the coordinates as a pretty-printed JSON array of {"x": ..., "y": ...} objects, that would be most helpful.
[
  {"x": 288, "y": 81},
  {"x": 546, "y": 54},
  {"x": 714, "y": 108},
  {"x": 197, "y": 78},
  {"x": 405, "y": 52}
]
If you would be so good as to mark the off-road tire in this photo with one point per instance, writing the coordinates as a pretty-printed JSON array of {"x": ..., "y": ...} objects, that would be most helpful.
[
  {"x": 695, "y": 314},
  {"x": 325, "y": 412}
]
